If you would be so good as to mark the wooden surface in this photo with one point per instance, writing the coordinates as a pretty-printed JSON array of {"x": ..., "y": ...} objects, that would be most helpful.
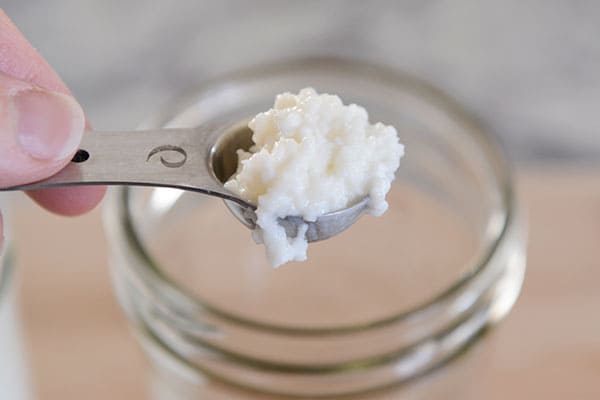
[{"x": 548, "y": 348}]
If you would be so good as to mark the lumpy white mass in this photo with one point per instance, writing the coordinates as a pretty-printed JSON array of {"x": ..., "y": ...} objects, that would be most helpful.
[{"x": 312, "y": 155}]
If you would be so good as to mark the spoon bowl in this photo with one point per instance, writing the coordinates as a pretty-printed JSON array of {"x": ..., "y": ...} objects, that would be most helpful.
[
  {"x": 224, "y": 163},
  {"x": 326, "y": 226}
]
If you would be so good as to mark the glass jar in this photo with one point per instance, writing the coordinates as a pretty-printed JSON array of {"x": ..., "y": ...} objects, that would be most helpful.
[
  {"x": 384, "y": 302},
  {"x": 14, "y": 377}
]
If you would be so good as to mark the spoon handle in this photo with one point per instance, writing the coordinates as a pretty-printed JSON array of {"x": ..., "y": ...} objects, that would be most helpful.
[{"x": 178, "y": 158}]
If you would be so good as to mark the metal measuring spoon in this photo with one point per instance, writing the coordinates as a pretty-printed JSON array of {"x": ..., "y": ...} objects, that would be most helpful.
[{"x": 196, "y": 159}]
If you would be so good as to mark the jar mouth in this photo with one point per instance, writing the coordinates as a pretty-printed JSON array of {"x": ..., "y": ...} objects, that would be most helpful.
[{"x": 178, "y": 298}]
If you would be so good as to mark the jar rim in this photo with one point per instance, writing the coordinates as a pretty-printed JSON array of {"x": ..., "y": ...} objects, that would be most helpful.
[{"x": 157, "y": 281}]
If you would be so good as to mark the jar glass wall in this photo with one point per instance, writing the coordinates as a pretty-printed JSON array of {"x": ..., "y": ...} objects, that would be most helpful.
[
  {"x": 384, "y": 302},
  {"x": 14, "y": 375}
]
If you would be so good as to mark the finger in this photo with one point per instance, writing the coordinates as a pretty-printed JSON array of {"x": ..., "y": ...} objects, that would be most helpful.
[
  {"x": 19, "y": 60},
  {"x": 67, "y": 201},
  {"x": 39, "y": 131}
]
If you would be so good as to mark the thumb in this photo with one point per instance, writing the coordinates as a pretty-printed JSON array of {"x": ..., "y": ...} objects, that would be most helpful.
[{"x": 39, "y": 131}]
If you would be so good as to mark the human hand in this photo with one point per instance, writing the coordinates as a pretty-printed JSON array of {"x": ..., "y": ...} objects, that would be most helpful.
[{"x": 41, "y": 125}]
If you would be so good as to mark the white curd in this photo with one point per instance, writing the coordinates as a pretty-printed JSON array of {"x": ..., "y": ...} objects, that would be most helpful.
[{"x": 312, "y": 155}]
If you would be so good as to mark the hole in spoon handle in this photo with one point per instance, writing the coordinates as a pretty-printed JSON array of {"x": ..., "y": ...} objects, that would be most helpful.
[{"x": 80, "y": 156}]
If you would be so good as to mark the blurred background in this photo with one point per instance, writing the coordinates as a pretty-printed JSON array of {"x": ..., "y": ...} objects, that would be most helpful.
[{"x": 530, "y": 70}]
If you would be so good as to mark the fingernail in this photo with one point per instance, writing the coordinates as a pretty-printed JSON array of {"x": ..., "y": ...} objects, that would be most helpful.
[{"x": 48, "y": 125}]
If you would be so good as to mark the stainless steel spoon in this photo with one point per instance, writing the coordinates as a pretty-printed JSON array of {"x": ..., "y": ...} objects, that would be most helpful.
[{"x": 196, "y": 159}]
